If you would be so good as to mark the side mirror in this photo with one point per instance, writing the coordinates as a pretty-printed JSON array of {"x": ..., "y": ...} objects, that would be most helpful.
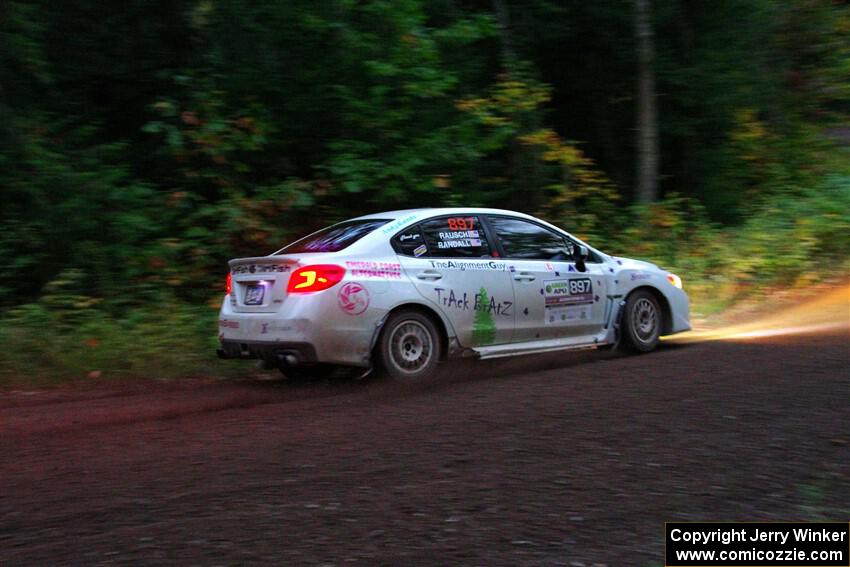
[{"x": 581, "y": 255}]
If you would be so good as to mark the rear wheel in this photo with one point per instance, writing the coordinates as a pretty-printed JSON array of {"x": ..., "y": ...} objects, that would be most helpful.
[
  {"x": 642, "y": 321},
  {"x": 410, "y": 347}
]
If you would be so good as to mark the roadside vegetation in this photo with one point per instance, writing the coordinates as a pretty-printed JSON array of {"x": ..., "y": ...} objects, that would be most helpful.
[{"x": 142, "y": 148}]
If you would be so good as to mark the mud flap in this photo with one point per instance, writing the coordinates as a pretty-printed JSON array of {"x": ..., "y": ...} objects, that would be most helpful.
[
  {"x": 378, "y": 327},
  {"x": 618, "y": 324}
]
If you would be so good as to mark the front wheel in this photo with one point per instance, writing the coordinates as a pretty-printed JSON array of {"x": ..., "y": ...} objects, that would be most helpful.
[
  {"x": 409, "y": 348},
  {"x": 641, "y": 323}
]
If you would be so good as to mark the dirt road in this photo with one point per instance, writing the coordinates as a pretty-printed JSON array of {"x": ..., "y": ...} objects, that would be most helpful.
[{"x": 563, "y": 460}]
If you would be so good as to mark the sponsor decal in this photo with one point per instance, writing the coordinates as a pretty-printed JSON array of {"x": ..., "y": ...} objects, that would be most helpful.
[
  {"x": 266, "y": 328},
  {"x": 640, "y": 276},
  {"x": 470, "y": 265},
  {"x": 483, "y": 326},
  {"x": 398, "y": 224},
  {"x": 353, "y": 298},
  {"x": 575, "y": 290},
  {"x": 567, "y": 314},
  {"x": 480, "y": 301},
  {"x": 228, "y": 324},
  {"x": 382, "y": 270},
  {"x": 550, "y": 267},
  {"x": 567, "y": 301},
  {"x": 261, "y": 268},
  {"x": 420, "y": 250},
  {"x": 409, "y": 236}
]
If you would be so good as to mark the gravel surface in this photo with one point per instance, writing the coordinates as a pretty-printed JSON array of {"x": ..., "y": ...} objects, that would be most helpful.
[{"x": 559, "y": 460}]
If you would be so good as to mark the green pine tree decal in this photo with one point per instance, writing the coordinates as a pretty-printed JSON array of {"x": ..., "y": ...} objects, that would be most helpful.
[{"x": 483, "y": 326}]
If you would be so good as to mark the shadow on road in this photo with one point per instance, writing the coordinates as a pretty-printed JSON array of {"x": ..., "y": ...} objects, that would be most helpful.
[{"x": 451, "y": 372}]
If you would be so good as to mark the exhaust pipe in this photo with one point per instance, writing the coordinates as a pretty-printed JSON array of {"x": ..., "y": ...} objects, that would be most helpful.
[{"x": 288, "y": 358}]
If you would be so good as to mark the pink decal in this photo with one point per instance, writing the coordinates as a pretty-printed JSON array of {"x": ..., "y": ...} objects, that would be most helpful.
[
  {"x": 353, "y": 298},
  {"x": 388, "y": 270}
]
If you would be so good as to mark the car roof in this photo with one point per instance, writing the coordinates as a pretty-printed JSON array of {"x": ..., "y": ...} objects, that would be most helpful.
[
  {"x": 424, "y": 213},
  {"x": 402, "y": 218}
]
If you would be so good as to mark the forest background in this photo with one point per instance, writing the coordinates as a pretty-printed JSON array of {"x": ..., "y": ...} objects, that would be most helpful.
[{"x": 143, "y": 143}]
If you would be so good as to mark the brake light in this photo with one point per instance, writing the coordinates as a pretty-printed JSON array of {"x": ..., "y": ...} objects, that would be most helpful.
[
  {"x": 228, "y": 285},
  {"x": 315, "y": 278}
]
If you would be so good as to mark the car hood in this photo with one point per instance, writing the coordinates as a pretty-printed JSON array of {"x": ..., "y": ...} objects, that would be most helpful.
[{"x": 632, "y": 264}]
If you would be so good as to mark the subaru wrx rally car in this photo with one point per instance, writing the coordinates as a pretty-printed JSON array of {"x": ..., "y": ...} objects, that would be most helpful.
[{"x": 402, "y": 290}]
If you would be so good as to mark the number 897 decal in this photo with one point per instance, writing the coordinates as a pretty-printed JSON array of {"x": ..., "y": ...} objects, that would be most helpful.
[{"x": 567, "y": 301}]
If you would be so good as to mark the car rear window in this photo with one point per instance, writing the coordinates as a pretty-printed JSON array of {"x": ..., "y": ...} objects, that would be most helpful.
[
  {"x": 334, "y": 238},
  {"x": 409, "y": 242}
]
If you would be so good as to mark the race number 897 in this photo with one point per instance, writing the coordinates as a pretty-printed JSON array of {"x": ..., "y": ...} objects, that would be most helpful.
[{"x": 580, "y": 287}]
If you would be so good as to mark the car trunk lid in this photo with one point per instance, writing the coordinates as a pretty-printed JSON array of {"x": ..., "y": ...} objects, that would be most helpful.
[{"x": 259, "y": 284}]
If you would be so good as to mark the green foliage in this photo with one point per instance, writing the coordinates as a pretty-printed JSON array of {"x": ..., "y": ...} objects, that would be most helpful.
[
  {"x": 47, "y": 344},
  {"x": 795, "y": 238}
]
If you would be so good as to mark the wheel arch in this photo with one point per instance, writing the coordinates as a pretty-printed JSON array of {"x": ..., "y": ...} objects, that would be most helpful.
[
  {"x": 663, "y": 302},
  {"x": 442, "y": 327}
]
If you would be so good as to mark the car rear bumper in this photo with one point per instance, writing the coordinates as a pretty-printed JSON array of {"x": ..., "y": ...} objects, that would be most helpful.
[{"x": 315, "y": 329}]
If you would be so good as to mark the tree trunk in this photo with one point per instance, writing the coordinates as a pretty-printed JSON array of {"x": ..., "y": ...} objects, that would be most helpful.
[
  {"x": 501, "y": 9},
  {"x": 647, "y": 115}
]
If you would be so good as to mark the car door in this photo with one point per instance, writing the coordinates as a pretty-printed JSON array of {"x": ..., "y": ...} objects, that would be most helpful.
[
  {"x": 450, "y": 261},
  {"x": 553, "y": 298}
]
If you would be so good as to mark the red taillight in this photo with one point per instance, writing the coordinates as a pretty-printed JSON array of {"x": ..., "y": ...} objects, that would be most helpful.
[
  {"x": 228, "y": 286},
  {"x": 315, "y": 278}
]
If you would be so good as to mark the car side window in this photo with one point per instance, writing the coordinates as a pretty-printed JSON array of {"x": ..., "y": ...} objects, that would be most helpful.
[
  {"x": 409, "y": 242},
  {"x": 529, "y": 241},
  {"x": 458, "y": 236}
]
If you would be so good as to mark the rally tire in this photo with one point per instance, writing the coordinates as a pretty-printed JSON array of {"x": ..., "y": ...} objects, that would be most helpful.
[
  {"x": 409, "y": 348},
  {"x": 642, "y": 322}
]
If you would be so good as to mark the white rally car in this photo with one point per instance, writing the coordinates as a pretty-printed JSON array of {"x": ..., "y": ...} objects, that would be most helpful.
[{"x": 401, "y": 291}]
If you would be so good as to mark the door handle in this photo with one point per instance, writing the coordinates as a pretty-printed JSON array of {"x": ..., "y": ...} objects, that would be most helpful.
[
  {"x": 524, "y": 277},
  {"x": 430, "y": 275}
]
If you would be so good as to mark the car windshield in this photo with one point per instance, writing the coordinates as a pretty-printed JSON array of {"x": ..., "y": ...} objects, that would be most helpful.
[{"x": 333, "y": 238}]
